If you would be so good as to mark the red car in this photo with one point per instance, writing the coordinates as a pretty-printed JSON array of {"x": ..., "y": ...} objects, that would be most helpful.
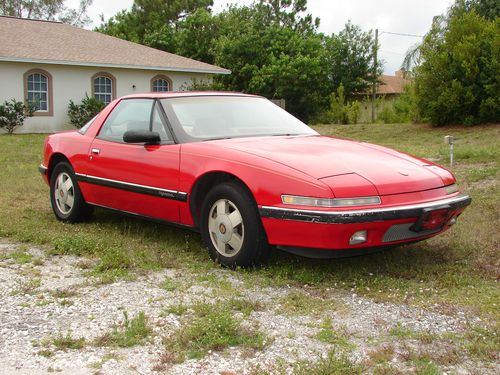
[{"x": 247, "y": 175}]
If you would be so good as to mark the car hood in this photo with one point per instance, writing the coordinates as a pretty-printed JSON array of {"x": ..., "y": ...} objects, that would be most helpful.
[{"x": 391, "y": 172}]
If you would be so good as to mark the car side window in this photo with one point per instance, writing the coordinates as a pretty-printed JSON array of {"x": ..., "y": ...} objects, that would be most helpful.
[
  {"x": 129, "y": 114},
  {"x": 157, "y": 124}
]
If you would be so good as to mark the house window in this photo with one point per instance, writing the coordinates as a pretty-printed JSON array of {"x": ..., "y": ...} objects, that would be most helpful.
[
  {"x": 38, "y": 91},
  {"x": 161, "y": 83},
  {"x": 103, "y": 87}
]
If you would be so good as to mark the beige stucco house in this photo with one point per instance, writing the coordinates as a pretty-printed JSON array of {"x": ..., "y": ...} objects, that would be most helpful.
[{"x": 51, "y": 63}]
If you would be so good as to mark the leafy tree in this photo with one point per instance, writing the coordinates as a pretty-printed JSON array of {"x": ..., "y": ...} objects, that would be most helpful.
[
  {"x": 458, "y": 80},
  {"x": 272, "y": 48},
  {"x": 49, "y": 10},
  {"x": 152, "y": 22},
  {"x": 13, "y": 113},
  {"x": 489, "y": 9},
  {"x": 350, "y": 58}
]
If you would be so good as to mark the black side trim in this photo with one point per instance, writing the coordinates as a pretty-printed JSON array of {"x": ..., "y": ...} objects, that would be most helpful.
[
  {"x": 175, "y": 195},
  {"x": 42, "y": 169},
  {"x": 147, "y": 218},
  {"x": 351, "y": 217}
]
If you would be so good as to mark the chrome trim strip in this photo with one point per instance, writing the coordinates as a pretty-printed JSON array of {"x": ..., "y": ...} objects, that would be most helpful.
[
  {"x": 42, "y": 169},
  {"x": 363, "y": 215},
  {"x": 137, "y": 188}
]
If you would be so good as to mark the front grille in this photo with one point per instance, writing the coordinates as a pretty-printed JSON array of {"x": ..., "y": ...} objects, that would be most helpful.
[{"x": 401, "y": 232}]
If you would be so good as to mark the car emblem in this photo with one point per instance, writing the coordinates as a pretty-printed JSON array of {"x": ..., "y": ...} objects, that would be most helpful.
[
  {"x": 403, "y": 173},
  {"x": 222, "y": 229}
]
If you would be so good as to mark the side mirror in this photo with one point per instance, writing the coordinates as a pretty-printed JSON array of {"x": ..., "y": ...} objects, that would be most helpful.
[{"x": 141, "y": 136}]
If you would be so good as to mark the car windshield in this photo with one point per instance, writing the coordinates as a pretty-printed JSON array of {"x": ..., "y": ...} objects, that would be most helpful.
[{"x": 198, "y": 118}]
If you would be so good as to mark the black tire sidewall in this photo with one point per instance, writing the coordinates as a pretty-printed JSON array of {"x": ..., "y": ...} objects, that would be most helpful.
[
  {"x": 80, "y": 210},
  {"x": 254, "y": 241}
]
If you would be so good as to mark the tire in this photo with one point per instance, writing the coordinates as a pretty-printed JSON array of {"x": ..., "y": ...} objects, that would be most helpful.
[
  {"x": 65, "y": 195},
  {"x": 231, "y": 228}
]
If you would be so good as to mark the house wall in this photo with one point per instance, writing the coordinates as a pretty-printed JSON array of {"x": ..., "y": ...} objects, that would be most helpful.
[{"x": 72, "y": 83}]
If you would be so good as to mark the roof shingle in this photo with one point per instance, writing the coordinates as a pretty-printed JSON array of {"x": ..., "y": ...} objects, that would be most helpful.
[{"x": 55, "y": 42}]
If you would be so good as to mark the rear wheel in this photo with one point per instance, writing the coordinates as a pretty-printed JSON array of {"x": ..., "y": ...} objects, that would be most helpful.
[
  {"x": 65, "y": 195},
  {"x": 231, "y": 227}
]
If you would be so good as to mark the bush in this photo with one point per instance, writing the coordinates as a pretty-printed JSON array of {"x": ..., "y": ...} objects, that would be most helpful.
[
  {"x": 80, "y": 114},
  {"x": 458, "y": 80},
  {"x": 13, "y": 114}
]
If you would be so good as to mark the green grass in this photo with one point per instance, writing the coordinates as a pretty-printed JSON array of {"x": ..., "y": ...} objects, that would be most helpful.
[
  {"x": 65, "y": 342},
  {"x": 333, "y": 364},
  {"x": 339, "y": 338},
  {"x": 212, "y": 328},
  {"x": 301, "y": 303},
  {"x": 135, "y": 331},
  {"x": 21, "y": 257},
  {"x": 457, "y": 269}
]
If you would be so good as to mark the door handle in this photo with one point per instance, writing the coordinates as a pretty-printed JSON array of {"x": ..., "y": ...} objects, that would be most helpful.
[{"x": 95, "y": 151}]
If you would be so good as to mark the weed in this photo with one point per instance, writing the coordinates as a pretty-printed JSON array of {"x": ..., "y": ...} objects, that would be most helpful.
[
  {"x": 331, "y": 365},
  {"x": 170, "y": 285},
  {"x": 329, "y": 335},
  {"x": 178, "y": 309},
  {"x": 301, "y": 303},
  {"x": 382, "y": 354},
  {"x": 64, "y": 293},
  {"x": 214, "y": 328},
  {"x": 132, "y": 332},
  {"x": 21, "y": 257},
  {"x": 105, "y": 358},
  {"x": 45, "y": 353},
  {"x": 27, "y": 286},
  {"x": 62, "y": 342}
]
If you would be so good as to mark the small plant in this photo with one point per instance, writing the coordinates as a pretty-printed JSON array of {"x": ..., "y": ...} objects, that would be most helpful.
[
  {"x": 132, "y": 332},
  {"x": 13, "y": 113},
  {"x": 330, "y": 365},
  {"x": 62, "y": 342},
  {"x": 329, "y": 335},
  {"x": 80, "y": 114},
  {"x": 213, "y": 329},
  {"x": 21, "y": 257}
]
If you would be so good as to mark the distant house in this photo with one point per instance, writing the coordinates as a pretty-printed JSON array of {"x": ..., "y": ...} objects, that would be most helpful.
[
  {"x": 388, "y": 90},
  {"x": 51, "y": 63},
  {"x": 392, "y": 86}
]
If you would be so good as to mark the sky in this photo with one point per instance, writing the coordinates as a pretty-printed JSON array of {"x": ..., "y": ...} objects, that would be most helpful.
[{"x": 399, "y": 16}]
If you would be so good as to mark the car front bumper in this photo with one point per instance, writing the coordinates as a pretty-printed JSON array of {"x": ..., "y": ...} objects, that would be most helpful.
[{"x": 333, "y": 229}]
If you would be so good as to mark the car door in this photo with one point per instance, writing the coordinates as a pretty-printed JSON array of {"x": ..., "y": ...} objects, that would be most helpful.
[{"x": 135, "y": 178}]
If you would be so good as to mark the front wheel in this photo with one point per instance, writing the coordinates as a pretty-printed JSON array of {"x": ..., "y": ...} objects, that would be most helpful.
[
  {"x": 65, "y": 195},
  {"x": 231, "y": 227}
]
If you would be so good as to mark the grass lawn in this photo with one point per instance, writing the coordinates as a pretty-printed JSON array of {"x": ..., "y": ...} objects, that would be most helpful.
[{"x": 458, "y": 269}]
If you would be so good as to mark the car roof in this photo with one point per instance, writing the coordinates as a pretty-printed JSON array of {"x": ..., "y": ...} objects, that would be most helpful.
[{"x": 182, "y": 94}]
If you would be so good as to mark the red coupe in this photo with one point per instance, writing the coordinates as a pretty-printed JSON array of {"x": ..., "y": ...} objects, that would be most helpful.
[{"x": 247, "y": 175}]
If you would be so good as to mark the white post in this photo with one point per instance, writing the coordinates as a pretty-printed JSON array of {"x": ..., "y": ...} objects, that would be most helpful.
[{"x": 448, "y": 139}]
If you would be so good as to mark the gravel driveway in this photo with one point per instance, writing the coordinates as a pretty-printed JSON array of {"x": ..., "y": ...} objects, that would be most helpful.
[{"x": 43, "y": 297}]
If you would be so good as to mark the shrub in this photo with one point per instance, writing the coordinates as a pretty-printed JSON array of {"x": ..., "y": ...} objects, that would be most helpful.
[
  {"x": 80, "y": 114},
  {"x": 353, "y": 110},
  {"x": 13, "y": 114}
]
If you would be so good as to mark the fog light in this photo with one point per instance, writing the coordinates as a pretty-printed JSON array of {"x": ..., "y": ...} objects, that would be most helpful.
[
  {"x": 452, "y": 221},
  {"x": 358, "y": 237}
]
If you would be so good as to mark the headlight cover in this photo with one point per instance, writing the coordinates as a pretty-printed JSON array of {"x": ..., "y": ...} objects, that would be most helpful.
[{"x": 329, "y": 202}]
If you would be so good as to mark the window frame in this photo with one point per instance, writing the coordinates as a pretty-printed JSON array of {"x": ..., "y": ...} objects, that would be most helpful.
[
  {"x": 50, "y": 98},
  {"x": 163, "y": 77},
  {"x": 105, "y": 75}
]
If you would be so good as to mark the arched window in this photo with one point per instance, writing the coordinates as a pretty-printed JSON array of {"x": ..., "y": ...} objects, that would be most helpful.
[
  {"x": 104, "y": 87},
  {"x": 161, "y": 83},
  {"x": 38, "y": 91}
]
